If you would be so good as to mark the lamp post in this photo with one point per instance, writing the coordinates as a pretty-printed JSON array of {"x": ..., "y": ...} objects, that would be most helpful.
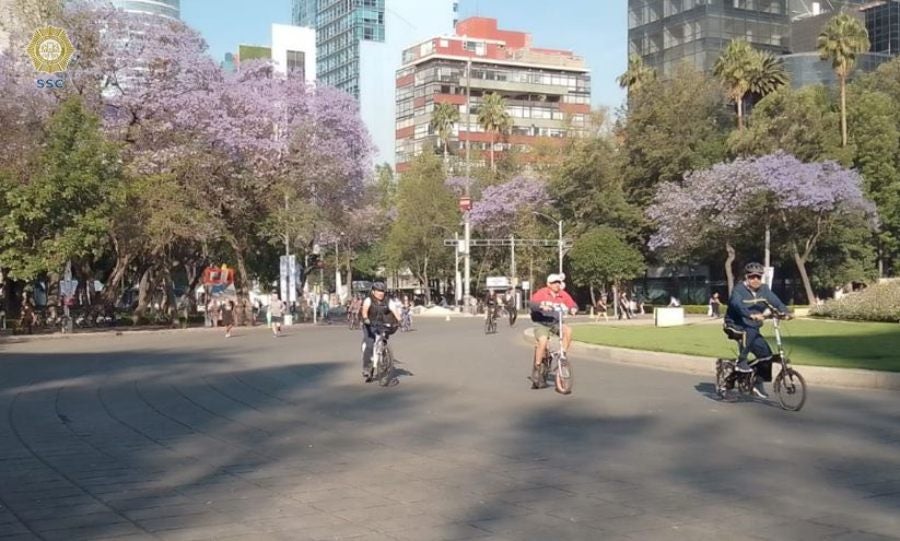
[
  {"x": 559, "y": 224},
  {"x": 467, "y": 229}
]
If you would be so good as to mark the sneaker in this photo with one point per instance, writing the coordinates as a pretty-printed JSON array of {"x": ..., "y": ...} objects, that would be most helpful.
[
  {"x": 760, "y": 390},
  {"x": 742, "y": 366}
]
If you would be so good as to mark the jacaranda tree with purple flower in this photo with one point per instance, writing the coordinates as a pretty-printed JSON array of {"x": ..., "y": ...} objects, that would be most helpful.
[
  {"x": 712, "y": 206},
  {"x": 501, "y": 207}
]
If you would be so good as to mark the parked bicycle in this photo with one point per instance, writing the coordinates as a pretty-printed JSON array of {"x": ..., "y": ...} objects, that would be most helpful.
[{"x": 789, "y": 386}]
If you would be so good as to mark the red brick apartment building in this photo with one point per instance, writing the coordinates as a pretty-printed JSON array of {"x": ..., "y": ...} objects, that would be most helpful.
[{"x": 547, "y": 91}]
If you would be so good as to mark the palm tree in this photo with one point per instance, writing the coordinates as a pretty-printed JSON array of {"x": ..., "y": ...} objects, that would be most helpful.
[
  {"x": 444, "y": 116},
  {"x": 768, "y": 74},
  {"x": 843, "y": 38},
  {"x": 636, "y": 75},
  {"x": 492, "y": 116},
  {"x": 735, "y": 67}
]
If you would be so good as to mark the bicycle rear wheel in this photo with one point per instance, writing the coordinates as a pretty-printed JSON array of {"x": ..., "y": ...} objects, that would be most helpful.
[
  {"x": 790, "y": 387},
  {"x": 564, "y": 378}
]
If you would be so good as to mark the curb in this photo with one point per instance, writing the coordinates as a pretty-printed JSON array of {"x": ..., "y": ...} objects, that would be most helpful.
[{"x": 691, "y": 364}]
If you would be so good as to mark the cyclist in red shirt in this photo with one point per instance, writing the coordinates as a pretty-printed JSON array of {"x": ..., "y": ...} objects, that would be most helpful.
[{"x": 545, "y": 304}]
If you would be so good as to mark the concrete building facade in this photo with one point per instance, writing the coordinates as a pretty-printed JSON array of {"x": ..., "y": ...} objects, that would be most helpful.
[
  {"x": 165, "y": 8},
  {"x": 293, "y": 51},
  {"x": 547, "y": 91}
]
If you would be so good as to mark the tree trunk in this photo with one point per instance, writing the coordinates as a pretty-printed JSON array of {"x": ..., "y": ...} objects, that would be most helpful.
[
  {"x": 427, "y": 285},
  {"x": 493, "y": 168},
  {"x": 143, "y": 292},
  {"x": 801, "y": 266},
  {"x": 740, "y": 113},
  {"x": 446, "y": 158},
  {"x": 113, "y": 290},
  {"x": 593, "y": 298},
  {"x": 169, "y": 289},
  {"x": 843, "y": 110},
  {"x": 729, "y": 272}
]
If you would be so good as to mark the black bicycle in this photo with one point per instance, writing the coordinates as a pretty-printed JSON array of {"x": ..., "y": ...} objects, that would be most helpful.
[
  {"x": 383, "y": 357},
  {"x": 789, "y": 386},
  {"x": 490, "y": 321}
]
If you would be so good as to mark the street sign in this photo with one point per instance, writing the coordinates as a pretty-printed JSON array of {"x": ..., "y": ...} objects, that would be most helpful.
[
  {"x": 526, "y": 285},
  {"x": 497, "y": 282},
  {"x": 288, "y": 278},
  {"x": 519, "y": 243}
]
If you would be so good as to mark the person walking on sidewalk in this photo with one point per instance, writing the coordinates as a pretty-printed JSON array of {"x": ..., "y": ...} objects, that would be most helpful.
[
  {"x": 228, "y": 317},
  {"x": 276, "y": 312}
]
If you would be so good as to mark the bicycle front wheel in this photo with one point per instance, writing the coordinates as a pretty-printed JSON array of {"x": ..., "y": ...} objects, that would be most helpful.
[
  {"x": 564, "y": 378},
  {"x": 790, "y": 387},
  {"x": 386, "y": 374}
]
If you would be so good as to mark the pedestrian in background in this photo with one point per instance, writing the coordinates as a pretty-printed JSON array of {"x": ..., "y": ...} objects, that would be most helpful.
[
  {"x": 714, "y": 306},
  {"x": 228, "y": 317},
  {"x": 600, "y": 309},
  {"x": 276, "y": 312}
]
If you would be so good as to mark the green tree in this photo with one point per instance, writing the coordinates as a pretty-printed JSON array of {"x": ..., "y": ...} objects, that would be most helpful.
[
  {"x": 803, "y": 122},
  {"x": 424, "y": 204},
  {"x": 588, "y": 190},
  {"x": 843, "y": 38},
  {"x": 876, "y": 141},
  {"x": 674, "y": 126},
  {"x": 65, "y": 211},
  {"x": 492, "y": 116},
  {"x": 444, "y": 116},
  {"x": 602, "y": 257},
  {"x": 636, "y": 75}
]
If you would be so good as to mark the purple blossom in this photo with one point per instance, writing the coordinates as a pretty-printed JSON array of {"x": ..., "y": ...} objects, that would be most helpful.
[{"x": 500, "y": 204}]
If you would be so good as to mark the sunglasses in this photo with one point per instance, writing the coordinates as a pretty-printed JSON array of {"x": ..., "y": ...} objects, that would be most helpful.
[{"x": 754, "y": 276}]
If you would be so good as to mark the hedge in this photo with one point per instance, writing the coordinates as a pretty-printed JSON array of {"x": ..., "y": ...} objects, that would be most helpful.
[{"x": 879, "y": 302}]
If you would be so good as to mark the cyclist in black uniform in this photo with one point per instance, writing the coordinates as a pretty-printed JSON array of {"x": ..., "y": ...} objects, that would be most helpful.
[{"x": 375, "y": 312}]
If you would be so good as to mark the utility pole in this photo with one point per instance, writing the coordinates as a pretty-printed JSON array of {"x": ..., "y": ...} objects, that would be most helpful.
[
  {"x": 467, "y": 232},
  {"x": 560, "y": 247}
]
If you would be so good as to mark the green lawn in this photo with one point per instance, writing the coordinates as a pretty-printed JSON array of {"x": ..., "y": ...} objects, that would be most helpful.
[{"x": 874, "y": 346}]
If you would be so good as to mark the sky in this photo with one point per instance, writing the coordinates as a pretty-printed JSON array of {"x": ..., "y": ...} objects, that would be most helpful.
[{"x": 594, "y": 29}]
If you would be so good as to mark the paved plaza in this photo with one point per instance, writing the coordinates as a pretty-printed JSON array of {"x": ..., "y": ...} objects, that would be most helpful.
[{"x": 186, "y": 435}]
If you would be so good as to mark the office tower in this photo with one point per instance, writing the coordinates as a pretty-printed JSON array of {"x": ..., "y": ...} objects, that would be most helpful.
[
  {"x": 359, "y": 47},
  {"x": 665, "y": 33},
  {"x": 547, "y": 91}
]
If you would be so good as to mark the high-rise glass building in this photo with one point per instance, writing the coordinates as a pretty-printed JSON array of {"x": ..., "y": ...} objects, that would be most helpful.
[
  {"x": 359, "y": 48},
  {"x": 166, "y": 8},
  {"x": 883, "y": 25},
  {"x": 665, "y": 33}
]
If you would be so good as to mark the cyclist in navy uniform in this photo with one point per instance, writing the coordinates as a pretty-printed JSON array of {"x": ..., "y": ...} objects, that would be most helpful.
[
  {"x": 744, "y": 319},
  {"x": 375, "y": 312}
]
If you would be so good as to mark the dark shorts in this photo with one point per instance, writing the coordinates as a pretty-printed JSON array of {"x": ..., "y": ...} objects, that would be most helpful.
[{"x": 543, "y": 331}]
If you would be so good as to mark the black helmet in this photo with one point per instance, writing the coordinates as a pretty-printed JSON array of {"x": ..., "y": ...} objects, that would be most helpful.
[
  {"x": 754, "y": 268},
  {"x": 378, "y": 286}
]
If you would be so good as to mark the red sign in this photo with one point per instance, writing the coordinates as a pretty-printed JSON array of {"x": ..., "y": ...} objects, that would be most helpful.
[{"x": 465, "y": 204}]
